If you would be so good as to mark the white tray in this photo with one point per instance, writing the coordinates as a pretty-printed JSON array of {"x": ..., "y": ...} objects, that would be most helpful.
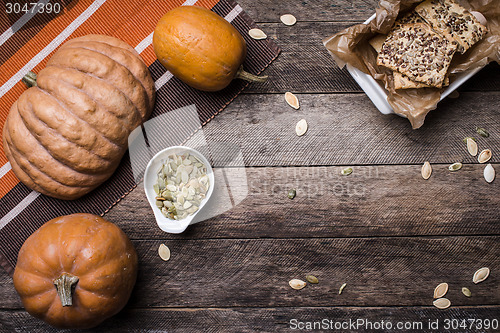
[{"x": 377, "y": 93}]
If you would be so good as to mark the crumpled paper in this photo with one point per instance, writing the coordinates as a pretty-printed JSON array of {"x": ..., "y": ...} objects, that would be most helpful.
[{"x": 351, "y": 46}]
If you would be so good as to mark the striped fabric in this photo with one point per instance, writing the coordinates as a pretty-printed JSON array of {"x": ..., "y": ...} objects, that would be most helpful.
[{"x": 28, "y": 40}]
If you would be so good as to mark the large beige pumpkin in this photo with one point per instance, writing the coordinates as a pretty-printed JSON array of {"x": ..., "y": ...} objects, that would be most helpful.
[{"x": 67, "y": 135}]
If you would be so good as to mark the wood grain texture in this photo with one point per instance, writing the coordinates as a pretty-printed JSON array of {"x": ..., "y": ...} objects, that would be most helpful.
[
  {"x": 305, "y": 65},
  {"x": 390, "y": 235},
  {"x": 255, "y": 273},
  {"x": 348, "y": 129},
  {"x": 372, "y": 201},
  {"x": 310, "y": 10},
  {"x": 251, "y": 320}
]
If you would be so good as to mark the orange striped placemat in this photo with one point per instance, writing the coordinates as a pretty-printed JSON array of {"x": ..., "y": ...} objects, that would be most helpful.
[{"x": 27, "y": 40}]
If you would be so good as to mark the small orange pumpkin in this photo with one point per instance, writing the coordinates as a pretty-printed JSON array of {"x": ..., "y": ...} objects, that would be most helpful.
[
  {"x": 201, "y": 48},
  {"x": 76, "y": 271}
]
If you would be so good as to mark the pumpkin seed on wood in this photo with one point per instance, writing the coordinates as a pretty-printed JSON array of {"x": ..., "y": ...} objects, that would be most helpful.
[
  {"x": 466, "y": 292},
  {"x": 301, "y": 127},
  {"x": 297, "y": 284},
  {"x": 288, "y": 19},
  {"x": 442, "y": 303},
  {"x": 484, "y": 156},
  {"x": 346, "y": 171},
  {"x": 441, "y": 290},
  {"x": 164, "y": 252},
  {"x": 292, "y": 193},
  {"x": 455, "y": 166},
  {"x": 426, "y": 170},
  {"x": 472, "y": 147},
  {"x": 257, "y": 34},
  {"x": 480, "y": 275},
  {"x": 292, "y": 100},
  {"x": 454, "y": 94},
  {"x": 489, "y": 173},
  {"x": 342, "y": 288},
  {"x": 482, "y": 132},
  {"x": 312, "y": 279}
]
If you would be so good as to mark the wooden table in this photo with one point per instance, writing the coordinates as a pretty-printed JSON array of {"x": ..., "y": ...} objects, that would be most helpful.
[{"x": 383, "y": 230}]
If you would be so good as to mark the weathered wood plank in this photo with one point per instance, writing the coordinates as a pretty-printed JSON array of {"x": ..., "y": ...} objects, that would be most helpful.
[
  {"x": 379, "y": 272},
  {"x": 348, "y": 129},
  {"x": 305, "y": 66},
  {"x": 266, "y": 319},
  {"x": 256, "y": 272},
  {"x": 373, "y": 201},
  {"x": 310, "y": 10}
]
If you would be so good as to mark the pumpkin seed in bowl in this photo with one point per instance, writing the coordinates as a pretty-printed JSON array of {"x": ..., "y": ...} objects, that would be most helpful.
[{"x": 181, "y": 186}]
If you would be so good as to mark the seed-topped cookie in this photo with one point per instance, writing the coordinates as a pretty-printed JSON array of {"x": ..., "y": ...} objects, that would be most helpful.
[
  {"x": 410, "y": 17},
  {"x": 402, "y": 81},
  {"x": 418, "y": 52},
  {"x": 452, "y": 20}
]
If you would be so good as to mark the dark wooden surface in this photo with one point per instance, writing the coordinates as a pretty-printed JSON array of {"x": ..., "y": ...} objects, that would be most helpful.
[{"x": 386, "y": 232}]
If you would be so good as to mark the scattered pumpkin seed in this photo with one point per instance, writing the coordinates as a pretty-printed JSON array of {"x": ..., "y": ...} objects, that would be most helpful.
[
  {"x": 257, "y": 34},
  {"x": 480, "y": 275},
  {"x": 346, "y": 171},
  {"x": 292, "y": 193},
  {"x": 472, "y": 147},
  {"x": 297, "y": 284},
  {"x": 489, "y": 173},
  {"x": 469, "y": 137},
  {"x": 455, "y": 166},
  {"x": 312, "y": 279},
  {"x": 466, "y": 292},
  {"x": 484, "y": 156},
  {"x": 426, "y": 170},
  {"x": 164, "y": 252},
  {"x": 288, "y": 19},
  {"x": 442, "y": 303},
  {"x": 301, "y": 127},
  {"x": 292, "y": 100},
  {"x": 454, "y": 94},
  {"x": 342, "y": 288},
  {"x": 441, "y": 290},
  {"x": 482, "y": 132}
]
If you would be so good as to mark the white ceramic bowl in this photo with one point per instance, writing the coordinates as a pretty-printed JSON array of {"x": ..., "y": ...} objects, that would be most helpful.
[
  {"x": 377, "y": 93},
  {"x": 151, "y": 176}
]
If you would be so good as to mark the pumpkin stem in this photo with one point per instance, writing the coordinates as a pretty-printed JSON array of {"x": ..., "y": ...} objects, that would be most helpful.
[
  {"x": 30, "y": 79},
  {"x": 65, "y": 285},
  {"x": 241, "y": 74}
]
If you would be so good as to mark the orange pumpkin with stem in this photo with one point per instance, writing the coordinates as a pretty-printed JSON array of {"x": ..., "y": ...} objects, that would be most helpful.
[
  {"x": 76, "y": 271},
  {"x": 201, "y": 48}
]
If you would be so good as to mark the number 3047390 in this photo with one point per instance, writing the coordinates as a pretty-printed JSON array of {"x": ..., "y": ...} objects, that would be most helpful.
[
  {"x": 478, "y": 324},
  {"x": 32, "y": 7}
]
